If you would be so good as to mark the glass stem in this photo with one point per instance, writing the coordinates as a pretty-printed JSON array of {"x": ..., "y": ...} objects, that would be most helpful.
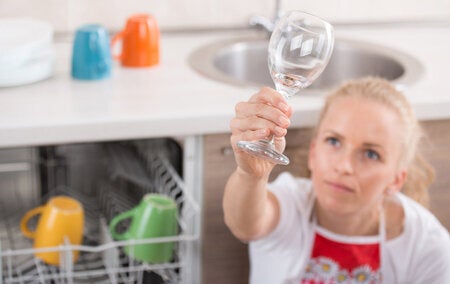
[
  {"x": 271, "y": 138},
  {"x": 285, "y": 93}
]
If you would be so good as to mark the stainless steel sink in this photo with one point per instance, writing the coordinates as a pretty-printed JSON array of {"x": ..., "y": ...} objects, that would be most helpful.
[{"x": 243, "y": 62}]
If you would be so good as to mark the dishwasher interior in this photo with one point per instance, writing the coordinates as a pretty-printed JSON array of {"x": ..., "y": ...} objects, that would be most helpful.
[{"x": 107, "y": 179}]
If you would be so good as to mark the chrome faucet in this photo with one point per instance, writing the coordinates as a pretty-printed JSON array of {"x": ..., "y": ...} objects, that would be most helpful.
[{"x": 266, "y": 23}]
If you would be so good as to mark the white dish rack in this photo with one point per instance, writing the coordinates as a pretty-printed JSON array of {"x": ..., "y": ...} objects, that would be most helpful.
[{"x": 102, "y": 259}]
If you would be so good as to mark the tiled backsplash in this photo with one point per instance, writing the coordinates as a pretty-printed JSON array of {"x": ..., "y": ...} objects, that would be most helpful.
[{"x": 66, "y": 15}]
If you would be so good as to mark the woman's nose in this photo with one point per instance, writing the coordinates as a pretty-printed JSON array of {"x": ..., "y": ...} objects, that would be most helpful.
[{"x": 344, "y": 162}]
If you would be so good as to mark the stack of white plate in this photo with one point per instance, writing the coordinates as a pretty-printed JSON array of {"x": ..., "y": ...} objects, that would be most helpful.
[{"x": 26, "y": 51}]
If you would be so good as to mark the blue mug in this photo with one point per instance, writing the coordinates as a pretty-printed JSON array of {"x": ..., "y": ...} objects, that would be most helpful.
[{"x": 91, "y": 55}]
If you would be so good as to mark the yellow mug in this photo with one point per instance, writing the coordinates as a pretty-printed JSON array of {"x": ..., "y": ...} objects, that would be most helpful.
[{"x": 61, "y": 218}]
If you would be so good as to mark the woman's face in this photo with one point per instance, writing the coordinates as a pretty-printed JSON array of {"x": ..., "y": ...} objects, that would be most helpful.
[{"x": 354, "y": 157}]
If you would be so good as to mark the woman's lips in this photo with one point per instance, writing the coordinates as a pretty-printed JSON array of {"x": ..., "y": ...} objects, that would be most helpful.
[{"x": 339, "y": 186}]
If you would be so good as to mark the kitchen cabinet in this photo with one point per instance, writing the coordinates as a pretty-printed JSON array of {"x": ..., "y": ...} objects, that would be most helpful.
[
  {"x": 224, "y": 258},
  {"x": 438, "y": 155}
]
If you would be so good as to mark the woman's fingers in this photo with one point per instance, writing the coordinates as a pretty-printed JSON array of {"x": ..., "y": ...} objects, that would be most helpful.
[
  {"x": 261, "y": 115},
  {"x": 238, "y": 125},
  {"x": 254, "y": 135},
  {"x": 246, "y": 109},
  {"x": 266, "y": 103},
  {"x": 250, "y": 135},
  {"x": 255, "y": 114},
  {"x": 271, "y": 97},
  {"x": 266, "y": 113}
]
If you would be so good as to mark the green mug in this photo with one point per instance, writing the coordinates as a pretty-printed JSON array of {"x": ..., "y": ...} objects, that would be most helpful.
[{"x": 155, "y": 216}]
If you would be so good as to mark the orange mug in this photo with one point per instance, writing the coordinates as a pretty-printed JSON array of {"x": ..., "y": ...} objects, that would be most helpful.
[
  {"x": 140, "y": 42},
  {"x": 62, "y": 218}
]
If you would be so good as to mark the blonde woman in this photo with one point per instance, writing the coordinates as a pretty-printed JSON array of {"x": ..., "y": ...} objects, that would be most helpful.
[{"x": 358, "y": 218}]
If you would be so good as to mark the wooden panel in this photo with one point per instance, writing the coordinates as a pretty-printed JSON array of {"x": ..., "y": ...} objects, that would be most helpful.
[
  {"x": 224, "y": 258},
  {"x": 438, "y": 154}
]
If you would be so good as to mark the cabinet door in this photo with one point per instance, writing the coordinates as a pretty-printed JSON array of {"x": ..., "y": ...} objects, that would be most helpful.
[
  {"x": 438, "y": 154},
  {"x": 224, "y": 258}
]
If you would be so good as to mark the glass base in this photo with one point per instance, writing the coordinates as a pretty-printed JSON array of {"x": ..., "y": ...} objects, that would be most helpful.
[{"x": 263, "y": 149}]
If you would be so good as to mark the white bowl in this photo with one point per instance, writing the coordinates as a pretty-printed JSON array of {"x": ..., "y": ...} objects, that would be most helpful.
[
  {"x": 31, "y": 72},
  {"x": 22, "y": 40}
]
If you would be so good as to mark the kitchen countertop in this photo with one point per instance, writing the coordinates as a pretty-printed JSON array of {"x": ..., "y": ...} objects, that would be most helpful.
[{"x": 173, "y": 100}]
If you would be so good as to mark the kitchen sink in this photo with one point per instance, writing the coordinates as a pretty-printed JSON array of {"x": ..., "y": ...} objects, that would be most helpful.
[{"x": 243, "y": 62}]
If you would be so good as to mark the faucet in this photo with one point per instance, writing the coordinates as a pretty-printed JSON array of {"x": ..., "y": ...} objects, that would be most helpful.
[{"x": 266, "y": 23}]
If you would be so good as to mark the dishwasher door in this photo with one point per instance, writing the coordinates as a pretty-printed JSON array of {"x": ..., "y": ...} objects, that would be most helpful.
[{"x": 107, "y": 179}]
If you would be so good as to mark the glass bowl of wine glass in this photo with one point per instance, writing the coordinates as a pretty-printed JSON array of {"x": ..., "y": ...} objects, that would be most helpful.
[{"x": 299, "y": 50}]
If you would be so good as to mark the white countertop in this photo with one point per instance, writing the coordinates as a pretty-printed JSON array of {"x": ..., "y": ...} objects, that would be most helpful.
[{"x": 173, "y": 100}]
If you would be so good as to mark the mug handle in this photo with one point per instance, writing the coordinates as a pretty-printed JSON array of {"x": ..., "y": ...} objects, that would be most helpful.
[
  {"x": 116, "y": 220},
  {"x": 118, "y": 37},
  {"x": 23, "y": 223}
]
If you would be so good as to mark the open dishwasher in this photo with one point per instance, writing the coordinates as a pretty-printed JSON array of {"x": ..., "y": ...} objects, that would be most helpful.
[{"x": 107, "y": 179}]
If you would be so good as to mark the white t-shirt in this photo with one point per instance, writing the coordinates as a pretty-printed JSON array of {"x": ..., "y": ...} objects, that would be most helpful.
[{"x": 421, "y": 254}]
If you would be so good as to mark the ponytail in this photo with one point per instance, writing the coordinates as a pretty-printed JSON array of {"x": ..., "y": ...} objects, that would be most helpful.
[{"x": 420, "y": 176}]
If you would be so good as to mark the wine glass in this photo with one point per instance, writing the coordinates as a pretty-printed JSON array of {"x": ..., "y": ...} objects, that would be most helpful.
[{"x": 299, "y": 49}]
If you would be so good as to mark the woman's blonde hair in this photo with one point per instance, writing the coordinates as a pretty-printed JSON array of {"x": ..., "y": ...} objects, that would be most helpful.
[{"x": 420, "y": 173}]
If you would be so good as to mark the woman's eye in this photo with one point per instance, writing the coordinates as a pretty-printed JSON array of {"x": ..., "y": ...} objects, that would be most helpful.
[
  {"x": 332, "y": 141},
  {"x": 372, "y": 155}
]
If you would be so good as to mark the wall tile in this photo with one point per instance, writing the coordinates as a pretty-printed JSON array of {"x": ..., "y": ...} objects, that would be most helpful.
[
  {"x": 54, "y": 11},
  {"x": 67, "y": 15},
  {"x": 170, "y": 13},
  {"x": 370, "y": 10}
]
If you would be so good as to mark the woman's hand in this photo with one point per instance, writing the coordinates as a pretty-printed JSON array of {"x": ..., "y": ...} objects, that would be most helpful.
[{"x": 266, "y": 113}]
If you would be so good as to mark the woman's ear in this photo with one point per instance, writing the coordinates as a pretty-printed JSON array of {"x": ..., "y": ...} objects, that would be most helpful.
[
  {"x": 311, "y": 154},
  {"x": 398, "y": 182}
]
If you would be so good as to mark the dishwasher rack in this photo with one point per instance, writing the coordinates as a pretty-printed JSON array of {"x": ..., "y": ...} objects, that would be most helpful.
[{"x": 131, "y": 172}]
